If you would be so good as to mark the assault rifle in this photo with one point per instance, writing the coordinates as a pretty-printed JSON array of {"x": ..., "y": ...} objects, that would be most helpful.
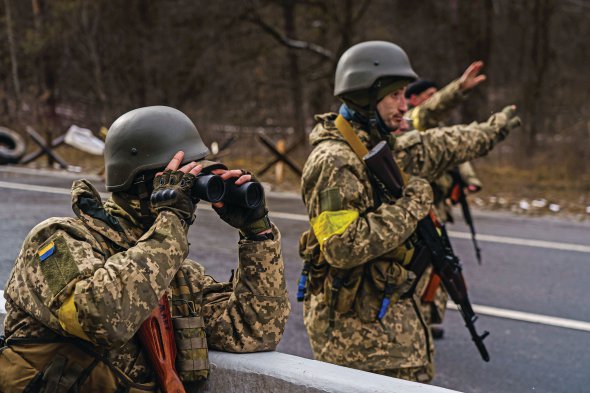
[
  {"x": 446, "y": 264},
  {"x": 458, "y": 196}
]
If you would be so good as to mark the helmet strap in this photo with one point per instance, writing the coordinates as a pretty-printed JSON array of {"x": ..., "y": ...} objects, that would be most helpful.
[
  {"x": 375, "y": 121},
  {"x": 146, "y": 218},
  {"x": 372, "y": 113}
]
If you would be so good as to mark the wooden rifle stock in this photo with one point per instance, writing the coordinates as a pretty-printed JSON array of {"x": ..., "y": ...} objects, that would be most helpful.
[{"x": 157, "y": 336}]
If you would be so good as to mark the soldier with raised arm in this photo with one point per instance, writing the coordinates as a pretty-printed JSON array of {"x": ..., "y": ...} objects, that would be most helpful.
[
  {"x": 358, "y": 250},
  {"x": 82, "y": 286},
  {"x": 429, "y": 107}
]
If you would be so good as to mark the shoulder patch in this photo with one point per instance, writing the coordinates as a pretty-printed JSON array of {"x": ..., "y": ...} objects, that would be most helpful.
[
  {"x": 46, "y": 251},
  {"x": 61, "y": 268}
]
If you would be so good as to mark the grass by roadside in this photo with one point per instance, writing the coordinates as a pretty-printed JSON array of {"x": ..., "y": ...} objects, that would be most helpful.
[{"x": 536, "y": 191}]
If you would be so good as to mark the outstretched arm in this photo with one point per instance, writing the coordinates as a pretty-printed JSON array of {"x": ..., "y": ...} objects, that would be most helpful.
[{"x": 428, "y": 154}]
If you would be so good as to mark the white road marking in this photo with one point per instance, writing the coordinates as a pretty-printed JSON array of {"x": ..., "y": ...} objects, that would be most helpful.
[
  {"x": 60, "y": 174},
  {"x": 45, "y": 189},
  {"x": 303, "y": 218},
  {"x": 522, "y": 242},
  {"x": 527, "y": 317}
]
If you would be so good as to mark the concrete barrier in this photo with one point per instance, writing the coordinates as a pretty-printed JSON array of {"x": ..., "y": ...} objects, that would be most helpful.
[{"x": 279, "y": 372}]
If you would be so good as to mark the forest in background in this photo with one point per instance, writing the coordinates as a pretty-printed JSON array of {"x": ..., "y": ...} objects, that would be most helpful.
[{"x": 238, "y": 67}]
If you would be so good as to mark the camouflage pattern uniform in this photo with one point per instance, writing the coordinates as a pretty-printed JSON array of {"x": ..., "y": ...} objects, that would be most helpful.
[
  {"x": 114, "y": 273},
  {"x": 373, "y": 247}
]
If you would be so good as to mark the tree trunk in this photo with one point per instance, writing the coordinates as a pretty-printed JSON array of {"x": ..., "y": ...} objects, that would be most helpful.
[
  {"x": 89, "y": 30},
  {"x": 542, "y": 13},
  {"x": 13, "y": 59},
  {"x": 296, "y": 84},
  {"x": 48, "y": 78}
]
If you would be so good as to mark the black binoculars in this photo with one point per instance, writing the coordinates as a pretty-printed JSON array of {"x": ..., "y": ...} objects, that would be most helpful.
[{"x": 212, "y": 188}]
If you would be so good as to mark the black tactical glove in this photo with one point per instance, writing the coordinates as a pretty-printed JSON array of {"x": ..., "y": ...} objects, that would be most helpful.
[
  {"x": 172, "y": 191},
  {"x": 250, "y": 222},
  {"x": 505, "y": 121}
]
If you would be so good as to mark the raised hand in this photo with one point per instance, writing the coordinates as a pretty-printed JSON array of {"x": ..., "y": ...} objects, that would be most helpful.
[{"x": 471, "y": 76}]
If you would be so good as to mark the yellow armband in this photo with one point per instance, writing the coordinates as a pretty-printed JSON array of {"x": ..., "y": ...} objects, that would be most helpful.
[
  {"x": 68, "y": 319},
  {"x": 330, "y": 223},
  {"x": 415, "y": 116}
]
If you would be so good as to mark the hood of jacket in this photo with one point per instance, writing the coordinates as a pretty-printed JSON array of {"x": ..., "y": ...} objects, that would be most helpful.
[{"x": 109, "y": 220}]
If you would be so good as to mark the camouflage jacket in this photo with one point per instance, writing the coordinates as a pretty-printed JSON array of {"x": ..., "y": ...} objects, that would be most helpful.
[
  {"x": 112, "y": 274},
  {"x": 433, "y": 113},
  {"x": 334, "y": 179}
]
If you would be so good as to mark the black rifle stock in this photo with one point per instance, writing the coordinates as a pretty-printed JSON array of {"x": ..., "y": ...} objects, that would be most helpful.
[
  {"x": 446, "y": 264},
  {"x": 462, "y": 200}
]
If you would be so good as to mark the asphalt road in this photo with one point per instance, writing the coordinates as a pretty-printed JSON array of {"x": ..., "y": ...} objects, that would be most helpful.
[{"x": 530, "y": 266}]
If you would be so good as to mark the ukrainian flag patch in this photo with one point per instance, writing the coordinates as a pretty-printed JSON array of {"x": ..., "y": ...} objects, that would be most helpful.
[{"x": 46, "y": 251}]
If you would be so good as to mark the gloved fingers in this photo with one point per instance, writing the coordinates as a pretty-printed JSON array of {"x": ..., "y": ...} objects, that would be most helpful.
[
  {"x": 162, "y": 179},
  {"x": 174, "y": 177},
  {"x": 514, "y": 123},
  {"x": 187, "y": 181},
  {"x": 509, "y": 111}
]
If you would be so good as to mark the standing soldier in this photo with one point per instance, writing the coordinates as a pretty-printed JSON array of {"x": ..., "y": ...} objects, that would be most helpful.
[
  {"x": 429, "y": 107},
  {"x": 82, "y": 286},
  {"x": 358, "y": 250}
]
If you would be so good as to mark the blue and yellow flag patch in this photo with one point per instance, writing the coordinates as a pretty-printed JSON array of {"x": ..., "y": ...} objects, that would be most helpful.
[{"x": 46, "y": 251}]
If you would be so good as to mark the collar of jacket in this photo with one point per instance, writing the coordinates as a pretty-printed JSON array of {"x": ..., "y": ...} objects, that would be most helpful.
[
  {"x": 109, "y": 222},
  {"x": 326, "y": 130}
]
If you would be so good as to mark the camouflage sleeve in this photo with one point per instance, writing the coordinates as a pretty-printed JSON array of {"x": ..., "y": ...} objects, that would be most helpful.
[
  {"x": 469, "y": 176},
  {"x": 428, "y": 154},
  {"x": 342, "y": 186},
  {"x": 436, "y": 109},
  {"x": 249, "y": 314},
  {"x": 112, "y": 303}
]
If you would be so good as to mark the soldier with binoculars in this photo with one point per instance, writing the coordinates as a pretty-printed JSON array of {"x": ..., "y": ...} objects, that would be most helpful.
[{"x": 83, "y": 286}]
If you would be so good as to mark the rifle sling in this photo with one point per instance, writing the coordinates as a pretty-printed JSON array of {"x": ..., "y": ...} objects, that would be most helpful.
[{"x": 351, "y": 137}]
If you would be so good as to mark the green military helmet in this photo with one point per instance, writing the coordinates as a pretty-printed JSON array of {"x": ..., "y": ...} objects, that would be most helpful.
[
  {"x": 146, "y": 139},
  {"x": 371, "y": 67}
]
